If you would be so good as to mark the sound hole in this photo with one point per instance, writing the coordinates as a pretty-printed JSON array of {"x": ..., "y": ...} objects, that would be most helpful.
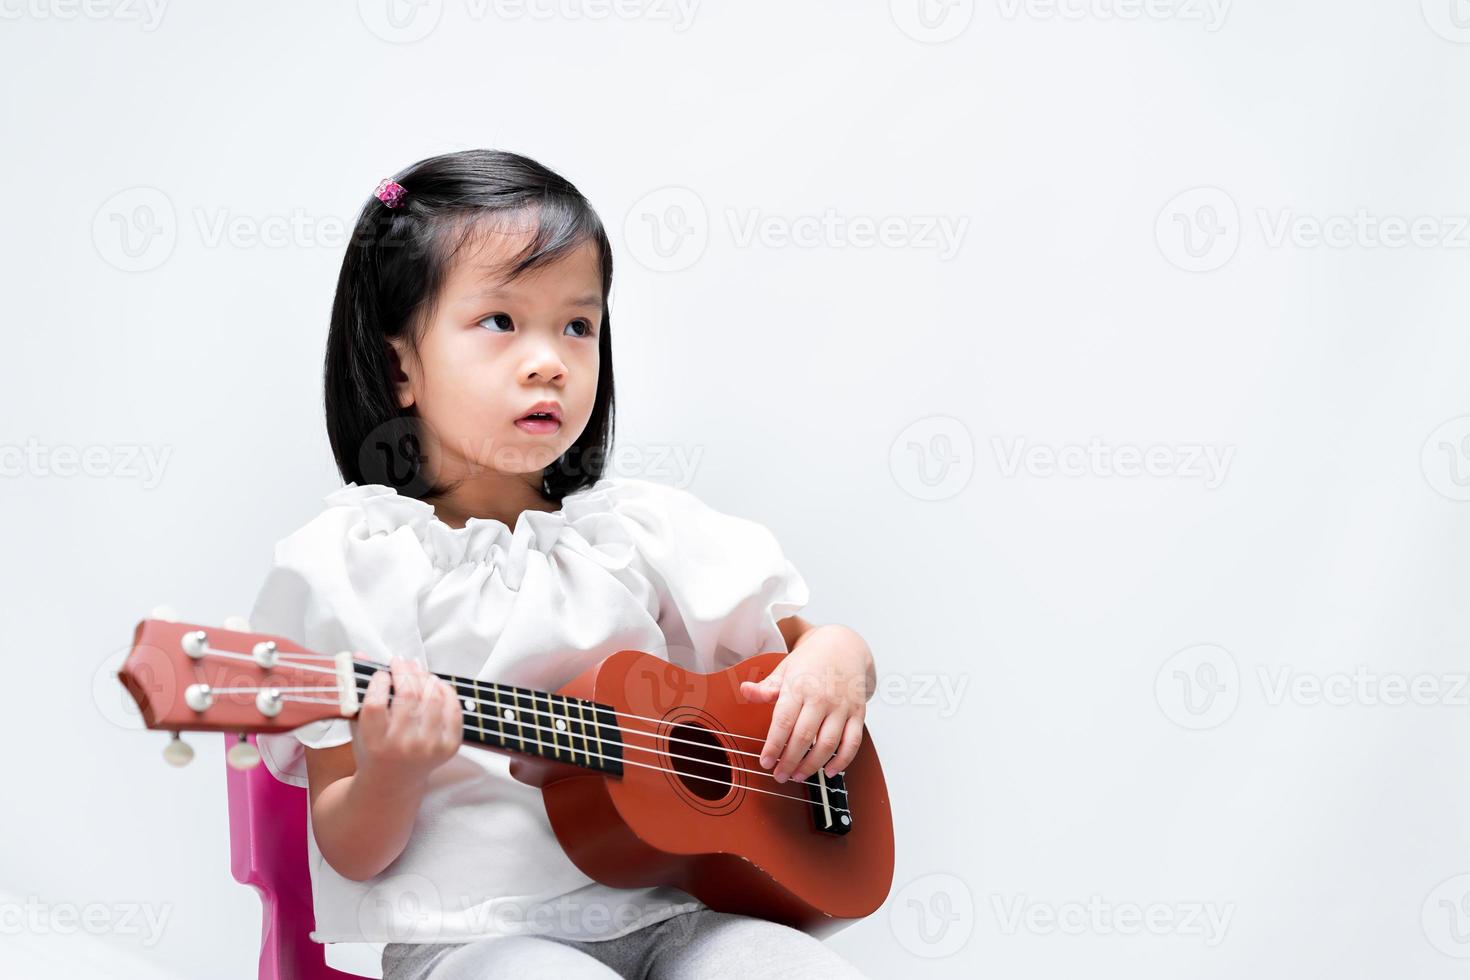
[{"x": 705, "y": 768}]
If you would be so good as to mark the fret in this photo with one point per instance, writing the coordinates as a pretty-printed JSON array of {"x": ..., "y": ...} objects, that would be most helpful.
[
  {"x": 483, "y": 717},
  {"x": 525, "y": 721},
  {"x": 565, "y": 727},
  {"x": 607, "y": 723},
  {"x": 596, "y": 741},
  {"x": 526, "y": 711},
  {"x": 544, "y": 730},
  {"x": 541, "y": 726},
  {"x": 559, "y": 722},
  {"x": 572, "y": 727},
  {"x": 470, "y": 725},
  {"x": 590, "y": 746},
  {"x": 598, "y": 748},
  {"x": 556, "y": 730},
  {"x": 499, "y": 712}
]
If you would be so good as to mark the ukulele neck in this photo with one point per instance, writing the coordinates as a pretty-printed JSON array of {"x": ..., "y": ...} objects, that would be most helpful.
[{"x": 518, "y": 719}]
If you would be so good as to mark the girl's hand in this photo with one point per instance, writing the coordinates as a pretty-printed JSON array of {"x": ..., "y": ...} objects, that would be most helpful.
[
  {"x": 419, "y": 731},
  {"x": 821, "y": 694}
]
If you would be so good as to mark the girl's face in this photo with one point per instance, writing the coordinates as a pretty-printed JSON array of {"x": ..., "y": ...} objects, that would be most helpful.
[{"x": 494, "y": 351}]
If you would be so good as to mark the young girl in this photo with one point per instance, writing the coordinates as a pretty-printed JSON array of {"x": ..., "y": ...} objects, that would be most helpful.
[{"x": 469, "y": 402}]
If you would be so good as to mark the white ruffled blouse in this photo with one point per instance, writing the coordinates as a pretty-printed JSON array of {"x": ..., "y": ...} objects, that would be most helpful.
[{"x": 625, "y": 564}]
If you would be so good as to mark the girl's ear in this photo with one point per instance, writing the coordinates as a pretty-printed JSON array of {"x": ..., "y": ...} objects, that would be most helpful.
[{"x": 400, "y": 367}]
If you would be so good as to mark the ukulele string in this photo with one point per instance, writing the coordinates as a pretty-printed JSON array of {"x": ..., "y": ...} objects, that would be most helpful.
[
  {"x": 669, "y": 769},
  {"x": 462, "y": 686},
  {"x": 538, "y": 713},
  {"x": 458, "y": 686},
  {"x": 480, "y": 699},
  {"x": 470, "y": 688},
  {"x": 502, "y": 734},
  {"x": 644, "y": 765},
  {"x": 689, "y": 775},
  {"x": 622, "y": 714}
]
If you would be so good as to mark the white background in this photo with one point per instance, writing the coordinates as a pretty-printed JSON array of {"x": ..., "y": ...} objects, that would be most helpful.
[{"x": 1188, "y": 721}]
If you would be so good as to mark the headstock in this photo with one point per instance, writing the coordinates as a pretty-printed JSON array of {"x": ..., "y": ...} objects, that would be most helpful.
[{"x": 186, "y": 677}]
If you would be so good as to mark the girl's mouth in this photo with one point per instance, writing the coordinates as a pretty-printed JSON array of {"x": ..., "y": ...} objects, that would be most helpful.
[{"x": 538, "y": 423}]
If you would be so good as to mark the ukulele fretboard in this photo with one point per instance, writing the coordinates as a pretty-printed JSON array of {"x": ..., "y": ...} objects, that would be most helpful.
[{"x": 571, "y": 730}]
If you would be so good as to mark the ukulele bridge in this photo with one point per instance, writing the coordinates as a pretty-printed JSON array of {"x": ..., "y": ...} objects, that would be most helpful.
[{"x": 828, "y": 795}]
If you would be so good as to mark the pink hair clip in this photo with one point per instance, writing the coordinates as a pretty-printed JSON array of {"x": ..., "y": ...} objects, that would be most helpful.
[{"x": 390, "y": 192}]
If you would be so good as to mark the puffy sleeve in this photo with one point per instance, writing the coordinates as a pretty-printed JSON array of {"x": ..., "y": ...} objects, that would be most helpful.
[
  {"x": 330, "y": 589},
  {"x": 723, "y": 582}
]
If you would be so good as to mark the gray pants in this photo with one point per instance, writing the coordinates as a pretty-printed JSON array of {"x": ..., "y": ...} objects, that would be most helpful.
[{"x": 698, "y": 944}]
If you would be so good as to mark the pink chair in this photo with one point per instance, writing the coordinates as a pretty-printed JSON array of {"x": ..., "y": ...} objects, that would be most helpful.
[{"x": 268, "y": 851}]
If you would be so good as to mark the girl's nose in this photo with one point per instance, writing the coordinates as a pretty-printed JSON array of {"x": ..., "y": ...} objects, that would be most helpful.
[{"x": 544, "y": 365}]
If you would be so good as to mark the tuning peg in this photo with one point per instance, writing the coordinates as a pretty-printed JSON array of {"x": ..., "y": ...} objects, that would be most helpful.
[
  {"x": 239, "y": 624},
  {"x": 242, "y": 755},
  {"x": 166, "y": 613},
  {"x": 177, "y": 752}
]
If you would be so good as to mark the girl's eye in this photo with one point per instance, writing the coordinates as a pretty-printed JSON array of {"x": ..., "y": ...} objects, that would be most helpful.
[
  {"x": 494, "y": 318},
  {"x": 586, "y": 327}
]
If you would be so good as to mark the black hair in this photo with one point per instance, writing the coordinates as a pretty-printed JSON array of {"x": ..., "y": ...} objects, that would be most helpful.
[{"x": 395, "y": 265}]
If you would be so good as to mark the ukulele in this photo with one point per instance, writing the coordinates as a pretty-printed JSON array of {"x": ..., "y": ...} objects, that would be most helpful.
[{"x": 650, "y": 773}]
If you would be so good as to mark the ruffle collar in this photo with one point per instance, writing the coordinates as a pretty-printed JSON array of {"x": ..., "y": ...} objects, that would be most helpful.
[{"x": 486, "y": 540}]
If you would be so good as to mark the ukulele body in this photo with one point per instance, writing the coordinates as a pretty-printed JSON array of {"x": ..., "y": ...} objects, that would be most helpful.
[{"x": 714, "y": 823}]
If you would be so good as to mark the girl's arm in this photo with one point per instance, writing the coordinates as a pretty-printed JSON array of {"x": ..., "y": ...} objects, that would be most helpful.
[
  {"x": 365, "y": 794},
  {"x": 793, "y": 628}
]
